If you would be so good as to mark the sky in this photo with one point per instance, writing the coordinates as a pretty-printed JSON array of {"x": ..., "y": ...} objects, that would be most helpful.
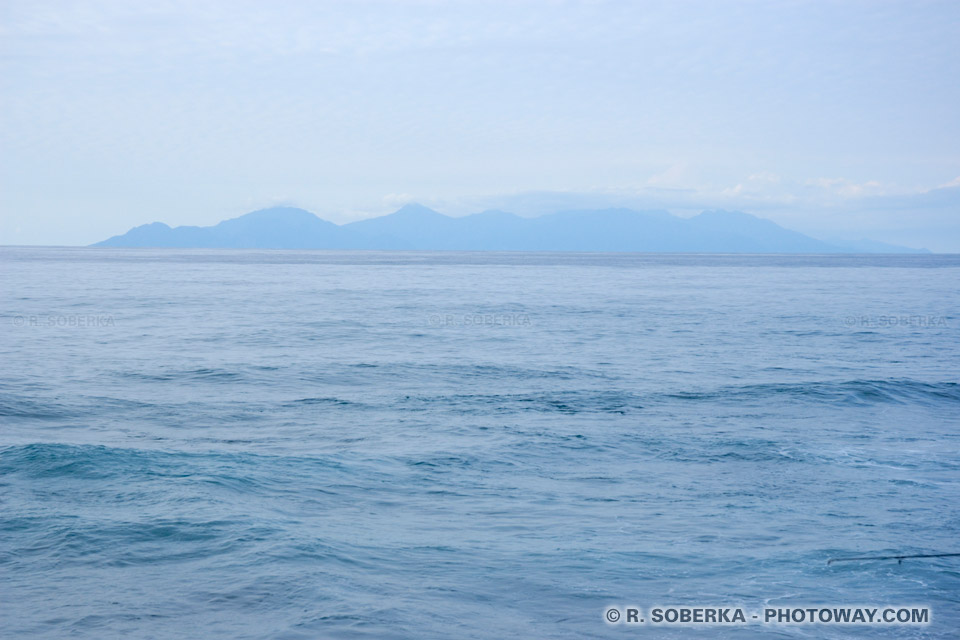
[{"x": 838, "y": 119}]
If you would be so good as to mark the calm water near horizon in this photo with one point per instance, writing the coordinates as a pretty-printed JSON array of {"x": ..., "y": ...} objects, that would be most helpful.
[{"x": 307, "y": 444}]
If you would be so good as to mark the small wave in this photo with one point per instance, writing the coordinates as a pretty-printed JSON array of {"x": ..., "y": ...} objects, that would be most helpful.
[
  {"x": 565, "y": 402},
  {"x": 133, "y": 542},
  {"x": 730, "y": 450},
  {"x": 334, "y": 402},
  {"x": 98, "y": 461},
  {"x": 850, "y": 392},
  {"x": 78, "y": 461},
  {"x": 20, "y": 407},
  {"x": 186, "y": 375}
]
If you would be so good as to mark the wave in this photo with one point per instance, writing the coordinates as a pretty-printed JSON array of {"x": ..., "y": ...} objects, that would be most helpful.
[
  {"x": 848, "y": 392},
  {"x": 187, "y": 375},
  {"x": 564, "y": 402},
  {"x": 14, "y": 406},
  {"x": 83, "y": 461}
]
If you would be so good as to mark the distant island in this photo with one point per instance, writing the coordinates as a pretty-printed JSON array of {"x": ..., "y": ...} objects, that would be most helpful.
[{"x": 416, "y": 227}]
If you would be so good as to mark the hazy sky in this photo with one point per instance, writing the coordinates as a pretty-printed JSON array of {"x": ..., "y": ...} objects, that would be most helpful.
[{"x": 841, "y": 119}]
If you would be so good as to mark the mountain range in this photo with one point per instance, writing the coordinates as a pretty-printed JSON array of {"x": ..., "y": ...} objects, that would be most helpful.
[{"x": 419, "y": 228}]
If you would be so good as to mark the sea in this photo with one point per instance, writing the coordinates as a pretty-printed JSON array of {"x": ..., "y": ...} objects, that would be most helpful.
[{"x": 226, "y": 444}]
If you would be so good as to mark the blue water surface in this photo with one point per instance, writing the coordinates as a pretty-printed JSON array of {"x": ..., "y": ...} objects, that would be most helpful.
[{"x": 309, "y": 444}]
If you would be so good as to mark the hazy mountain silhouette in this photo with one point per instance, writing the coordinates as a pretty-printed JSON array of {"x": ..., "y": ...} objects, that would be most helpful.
[{"x": 417, "y": 227}]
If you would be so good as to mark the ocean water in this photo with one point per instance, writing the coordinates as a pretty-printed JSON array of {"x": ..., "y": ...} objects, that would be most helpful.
[{"x": 285, "y": 444}]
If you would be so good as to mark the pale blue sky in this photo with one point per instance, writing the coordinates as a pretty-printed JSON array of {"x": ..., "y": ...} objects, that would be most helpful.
[{"x": 841, "y": 119}]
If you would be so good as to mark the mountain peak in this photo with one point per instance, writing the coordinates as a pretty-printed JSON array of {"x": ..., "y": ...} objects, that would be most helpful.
[
  {"x": 276, "y": 214},
  {"x": 416, "y": 209}
]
